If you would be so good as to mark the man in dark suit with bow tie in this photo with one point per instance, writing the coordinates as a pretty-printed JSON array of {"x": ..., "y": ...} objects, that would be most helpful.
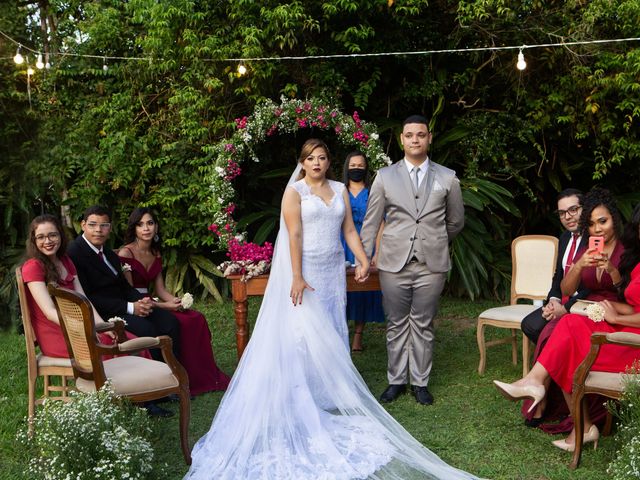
[
  {"x": 571, "y": 240},
  {"x": 106, "y": 287}
]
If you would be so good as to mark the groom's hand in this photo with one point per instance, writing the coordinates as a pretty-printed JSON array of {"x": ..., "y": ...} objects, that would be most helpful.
[{"x": 297, "y": 289}]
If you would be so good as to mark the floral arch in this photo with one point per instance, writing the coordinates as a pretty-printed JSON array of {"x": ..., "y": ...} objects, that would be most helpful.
[{"x": 269, "y": 118}]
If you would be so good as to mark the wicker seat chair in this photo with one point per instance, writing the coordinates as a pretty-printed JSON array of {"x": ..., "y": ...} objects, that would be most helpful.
[{"x": 139, "y": 379}]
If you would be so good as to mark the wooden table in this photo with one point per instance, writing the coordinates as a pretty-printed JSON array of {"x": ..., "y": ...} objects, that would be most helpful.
[{"x": 241, "y": 291}]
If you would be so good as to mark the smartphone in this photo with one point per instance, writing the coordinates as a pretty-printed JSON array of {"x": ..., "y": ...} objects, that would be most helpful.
[{"x": 596, "y": 243}]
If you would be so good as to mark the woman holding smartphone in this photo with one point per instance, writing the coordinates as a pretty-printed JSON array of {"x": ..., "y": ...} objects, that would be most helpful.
[
  {"x": 571, "y": 340},
  {"x": 596, "y": 269}
]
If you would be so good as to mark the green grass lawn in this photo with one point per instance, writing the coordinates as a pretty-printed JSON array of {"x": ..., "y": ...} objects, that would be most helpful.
[{"x": 470, "y": 425}]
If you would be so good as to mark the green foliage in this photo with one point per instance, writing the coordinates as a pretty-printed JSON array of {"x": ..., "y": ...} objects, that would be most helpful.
[
  {"x": 92, "y": 437},
  {"x": 626, "y": 464}
]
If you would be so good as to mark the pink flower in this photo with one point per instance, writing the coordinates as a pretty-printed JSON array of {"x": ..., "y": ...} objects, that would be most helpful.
[
  {"x": 229, "y": 147},
  {"x": 249, "y": 252},
  {"x": 277, "y": 112},
  {"x": 232, "y": 170},
  {"x": 298, "y": 110},
  {"x": 241, "y": 123},
  {"x": 307, "y": 107},
  {"x": 302, "y": 123},
  {"x": 230, "y": 209},
  {"x": 334, "y": 114},
  {"x": 338, "y": 129}
]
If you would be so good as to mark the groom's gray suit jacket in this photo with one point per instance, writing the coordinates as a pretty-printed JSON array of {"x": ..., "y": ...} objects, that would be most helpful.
[{"x": 421, "y": 227}]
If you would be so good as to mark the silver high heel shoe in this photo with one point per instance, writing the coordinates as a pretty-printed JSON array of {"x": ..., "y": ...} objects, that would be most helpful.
[
  {"x": 591, "y": 436},
  {"x": 518, "y": 392}
]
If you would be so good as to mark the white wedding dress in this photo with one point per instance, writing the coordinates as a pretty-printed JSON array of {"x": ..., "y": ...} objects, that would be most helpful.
[{"x": 297, "y": 408}]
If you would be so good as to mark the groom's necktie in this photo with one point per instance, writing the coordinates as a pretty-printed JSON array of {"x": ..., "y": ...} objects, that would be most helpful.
[{"x": 416, "y": 179}]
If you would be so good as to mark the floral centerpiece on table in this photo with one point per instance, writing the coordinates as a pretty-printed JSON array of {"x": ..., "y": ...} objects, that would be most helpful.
[
  {"x": 268, "y": 119},
  {"x": 247, "y": 259}
]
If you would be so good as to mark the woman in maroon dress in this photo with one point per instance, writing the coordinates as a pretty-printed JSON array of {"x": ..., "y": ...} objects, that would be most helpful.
[
  {"x": 599, "y": 217},
  {"x": 571, "y": 340},
  {"x": 47, "y": 262},
  {"x": 142, "y": 254}
]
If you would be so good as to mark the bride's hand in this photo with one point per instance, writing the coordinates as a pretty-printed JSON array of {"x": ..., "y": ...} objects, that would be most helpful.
[
  {"x": 297, "y": 289},
  {"x": 362, "y": 273}
]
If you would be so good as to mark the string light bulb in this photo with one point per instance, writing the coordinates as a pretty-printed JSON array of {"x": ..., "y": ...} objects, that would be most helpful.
[
  {"x": 47, "y": 65},
  {"x": 39, "y": 62},
  {"x": 19, "y": 59},
  {"x": 30, "y": 71},
  {"x": 521, "y": 64},
  {"x": 104, "y": 64},
  {"x": 242, "y": 69}
]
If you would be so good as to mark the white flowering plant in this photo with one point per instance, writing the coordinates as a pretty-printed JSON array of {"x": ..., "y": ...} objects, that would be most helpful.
[
  {"x": 93, "y": 437},
  {"x": 626, "y": 463},
  {"x": 268, "y": 119}
]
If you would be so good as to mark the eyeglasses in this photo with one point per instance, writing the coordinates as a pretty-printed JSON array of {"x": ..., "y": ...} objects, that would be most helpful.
[
  {"x": 571, "y": 211},
  {"x": 52, "y": 237},
  {"x": 98, "y": 226}
]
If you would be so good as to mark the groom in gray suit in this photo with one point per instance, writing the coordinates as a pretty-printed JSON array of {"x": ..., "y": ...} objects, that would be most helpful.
[{"x": 421, "y": 204}]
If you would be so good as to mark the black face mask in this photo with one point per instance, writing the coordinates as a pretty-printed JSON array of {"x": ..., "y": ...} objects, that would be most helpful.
[{"x": 356, "y": 174}]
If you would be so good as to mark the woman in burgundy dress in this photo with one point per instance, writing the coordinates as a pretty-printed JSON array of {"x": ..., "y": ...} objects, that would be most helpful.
[
  {"x": 599, "y": 217},
  {"x": 47, "y": 262},
  {"x": 571, "y": 340},
  {"x": 142, "y": 254}
]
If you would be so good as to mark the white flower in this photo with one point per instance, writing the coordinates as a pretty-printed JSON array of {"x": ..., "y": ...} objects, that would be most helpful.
[
  {"x": 595, "y": 312},
  {"x": 220, "y": 171},
  {"x": 115, "y": 319},
  {"x": 125, "y": 267},
  {"x": 374, "y": 136},
  {"x": 187, "y": 301}
]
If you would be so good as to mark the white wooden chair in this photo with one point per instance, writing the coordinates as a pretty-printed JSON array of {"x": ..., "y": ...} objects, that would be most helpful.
[{"x": 533, "y": 259}]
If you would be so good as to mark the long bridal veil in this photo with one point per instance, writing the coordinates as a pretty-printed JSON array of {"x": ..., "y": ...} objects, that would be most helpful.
[{"x": 297, "y": 408}]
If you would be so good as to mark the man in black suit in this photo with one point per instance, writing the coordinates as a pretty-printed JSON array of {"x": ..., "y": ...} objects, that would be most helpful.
[
  {"x": 106, "y": 287},
  {"x": 569, "y": 209}
]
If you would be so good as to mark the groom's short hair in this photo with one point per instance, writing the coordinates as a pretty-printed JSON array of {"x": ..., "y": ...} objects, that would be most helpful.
[{"x": 416, "y": 119}]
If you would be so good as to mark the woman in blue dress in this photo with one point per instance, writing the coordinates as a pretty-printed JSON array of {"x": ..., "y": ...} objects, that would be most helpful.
[{"x": 362, "y": 307}]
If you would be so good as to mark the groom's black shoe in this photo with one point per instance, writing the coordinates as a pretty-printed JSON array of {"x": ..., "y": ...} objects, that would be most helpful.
[
  {"x": 392, "y": 392},
  {"x": 423, "y": 396}
]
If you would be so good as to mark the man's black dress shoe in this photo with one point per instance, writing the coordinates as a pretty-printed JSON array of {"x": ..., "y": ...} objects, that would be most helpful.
[
  {"x": 172, "y": 397},
  {"x": 533, "y": 422},
  {"x": 153, "y": 410},
  {"x": 423, "y": 396},
  {"x": 392, "y": 392}
]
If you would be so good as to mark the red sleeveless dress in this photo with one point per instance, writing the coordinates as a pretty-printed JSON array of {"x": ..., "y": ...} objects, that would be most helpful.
[{"x": 196, "y": 352}]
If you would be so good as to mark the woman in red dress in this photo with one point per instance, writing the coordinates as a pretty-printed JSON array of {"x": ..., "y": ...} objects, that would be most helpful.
[
  {"x": 142, "y": 254},
  {"x": 599, "y": 217},
  {"x": 47, "y": 262},
  {"x": 571, "y": 340}
]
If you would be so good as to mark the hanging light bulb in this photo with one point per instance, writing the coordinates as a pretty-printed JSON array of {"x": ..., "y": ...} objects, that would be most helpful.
[
  {"x": 242, "y": 69},
  {"x": 19, "y": 59},
  {"x": 30, "y": 71},
  {"x": 39, "y": 62},
  {"x": 104, "y": 64},
  {"x": 521, "y": 64}
]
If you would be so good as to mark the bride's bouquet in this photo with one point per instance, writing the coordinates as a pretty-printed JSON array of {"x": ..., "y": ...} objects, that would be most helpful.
[{"x": 247, "y": 259}]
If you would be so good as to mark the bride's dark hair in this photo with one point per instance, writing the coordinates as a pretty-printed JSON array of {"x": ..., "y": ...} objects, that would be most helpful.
[{"x": 308, "y": 147}]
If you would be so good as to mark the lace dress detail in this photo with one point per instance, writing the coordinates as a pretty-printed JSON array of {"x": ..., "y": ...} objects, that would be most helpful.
[{"x": 322, "y": 254}]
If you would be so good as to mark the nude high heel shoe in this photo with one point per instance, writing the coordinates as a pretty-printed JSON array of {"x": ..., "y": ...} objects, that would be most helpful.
[
  {"x": 518, "y": 392},
  {"x": 591, "y": 436}
]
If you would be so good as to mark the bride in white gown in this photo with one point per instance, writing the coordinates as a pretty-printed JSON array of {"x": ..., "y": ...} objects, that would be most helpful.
[{"x": 297, "y": 408}]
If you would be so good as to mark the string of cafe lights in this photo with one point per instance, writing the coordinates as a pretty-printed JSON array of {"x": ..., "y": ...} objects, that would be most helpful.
[{"x": 242, "y": 62}]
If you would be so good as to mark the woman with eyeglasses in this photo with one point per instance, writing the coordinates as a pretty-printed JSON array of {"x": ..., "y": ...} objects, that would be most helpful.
[{"x": 47, "y": 262}]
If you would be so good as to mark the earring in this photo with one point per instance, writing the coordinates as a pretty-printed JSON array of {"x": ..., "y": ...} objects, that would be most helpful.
[{"x": 156, "y": 237}]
